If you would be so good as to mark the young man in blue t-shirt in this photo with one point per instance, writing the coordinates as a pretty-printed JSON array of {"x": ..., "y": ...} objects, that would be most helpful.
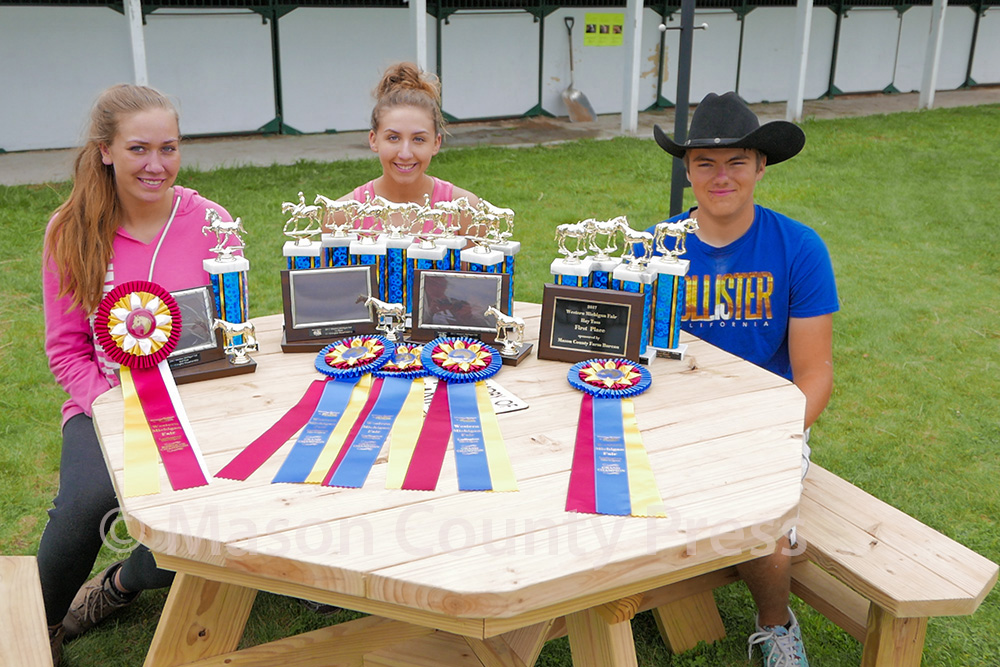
[{"x": 761, "y": 286}]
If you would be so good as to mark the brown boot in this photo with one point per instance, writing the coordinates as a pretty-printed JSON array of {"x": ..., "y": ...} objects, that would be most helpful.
[
  {"x": 56, "y": 634},
  {"x": 94, "y": 602}
]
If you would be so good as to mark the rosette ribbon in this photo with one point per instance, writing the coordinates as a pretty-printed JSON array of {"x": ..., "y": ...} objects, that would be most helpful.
[
  {"x": 325, "y": 414},
  {"x": 462, "y": 411},
  {"x": 611, "y": 472},
  {"x": 138, "y": 324}
]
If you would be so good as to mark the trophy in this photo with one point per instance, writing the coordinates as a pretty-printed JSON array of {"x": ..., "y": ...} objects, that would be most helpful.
[
  {"x": 338, "y": 218},
  {"x": 455, "y": 210},
  {"x": 602, "y": 242},
  {"x": 504, "y": 231},
  {"x": 664, "y": 334},
  {"x": 390, "y": 318},
  {"x": 510, "y": 336},
  {"x": 571, "y": 269},
  {"x": 369, "y": 248},
  {"x": 632, "y": 276},
  {"x": 227, "y": 272},
  {"x": 424, "y": 253},
  {"x": 399, "y": 221},
  {"x": 303, "y": 224},
  {"x": 483, "y": 231},
  {"x": 237, "y": 339}
]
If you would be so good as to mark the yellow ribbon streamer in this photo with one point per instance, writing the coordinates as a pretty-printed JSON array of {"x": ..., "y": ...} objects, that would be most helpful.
[
  {"x": 142, "y": 461},
  {"x": 340, "y": 432},
  {"x": 645, "y": 495},
  {"x": 501, "y": 472},
  {"x": 404, "y": 434}
]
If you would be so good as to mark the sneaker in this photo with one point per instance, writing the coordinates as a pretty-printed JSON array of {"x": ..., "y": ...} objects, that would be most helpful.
[
  {"x": 780, "y": 646},
  {"x": 318, "y": 607},
  {"x": 94, "y": 602},
  {"x": 56, "y": 635}
]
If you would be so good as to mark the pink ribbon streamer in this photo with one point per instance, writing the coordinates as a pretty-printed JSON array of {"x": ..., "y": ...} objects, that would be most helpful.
[
  {"x": 428, "y": 454},
  {"x": 582, "y": 496}
]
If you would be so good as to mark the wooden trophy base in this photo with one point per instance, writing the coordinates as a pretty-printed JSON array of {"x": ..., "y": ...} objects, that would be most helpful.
[
  {"x": 516, "y": 358},
  {"x": 211, "y": 370},
  {"x": 310, "y": 345}
]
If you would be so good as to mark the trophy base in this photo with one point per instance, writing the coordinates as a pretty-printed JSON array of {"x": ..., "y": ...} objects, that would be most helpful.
[
  {"x": 517, "y": 357},
  {"x": 310, "y": 345},
  {"x": 671, "y": 353},
  {"x": 211, "y": 370}
]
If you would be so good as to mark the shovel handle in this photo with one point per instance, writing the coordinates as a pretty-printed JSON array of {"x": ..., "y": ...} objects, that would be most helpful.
[{"x": 569, "y": 23}]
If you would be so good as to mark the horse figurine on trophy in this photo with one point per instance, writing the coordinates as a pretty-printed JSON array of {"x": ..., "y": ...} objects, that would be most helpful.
[
  {"x": 391, "y": 317},
  {"x": 679, "y": 230},
  {"x": 230, "y": 332},
  {"x": 630, "y": 238},
  {"x": 224, "y": 230},
  {"x": 298, "y": 212},
  {"x": 506, "y": 326},
  {"x": 580, "y": 234}
]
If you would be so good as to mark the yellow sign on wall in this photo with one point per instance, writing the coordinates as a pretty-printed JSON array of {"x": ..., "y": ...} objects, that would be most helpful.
[{"x": 603, "y": 29}]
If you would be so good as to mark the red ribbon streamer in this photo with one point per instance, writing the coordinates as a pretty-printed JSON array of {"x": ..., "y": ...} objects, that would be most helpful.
[
  {"x": 582, "y": 495},
  {"x": 178, "y": 456},
  {"x": 428, "y": 454},
  {"x": 261, "y": 449}
]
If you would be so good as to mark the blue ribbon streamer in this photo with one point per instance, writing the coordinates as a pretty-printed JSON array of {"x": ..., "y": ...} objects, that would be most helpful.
[
  {"x": 610, "y": 467},
  {"x": 310, "y": 443},
  {"x": 467, "y": 438},
  {"x": 360, "y": 456}
]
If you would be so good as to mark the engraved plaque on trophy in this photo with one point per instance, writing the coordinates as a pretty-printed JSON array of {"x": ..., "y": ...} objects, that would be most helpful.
[{"x": 580, "y": 323}]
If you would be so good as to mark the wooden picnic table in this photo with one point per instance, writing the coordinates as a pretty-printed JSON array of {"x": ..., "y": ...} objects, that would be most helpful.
[{"x": 463, "y": 578}]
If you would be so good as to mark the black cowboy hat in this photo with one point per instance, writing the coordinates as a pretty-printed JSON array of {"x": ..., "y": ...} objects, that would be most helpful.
[{"x": 725, "y": 121}]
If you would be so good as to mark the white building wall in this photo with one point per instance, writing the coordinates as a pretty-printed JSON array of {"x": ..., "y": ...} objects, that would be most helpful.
[
  {"x": 332, "y": 59},
  {"x": 489, "y": 64},
  {"x": 916, "y": 25},
  {"x": 867, "y": 55},
  {"x": 55, "y": 62},
  {"x": 217, "y": 65},
  {"x": 986, "y": 62}
]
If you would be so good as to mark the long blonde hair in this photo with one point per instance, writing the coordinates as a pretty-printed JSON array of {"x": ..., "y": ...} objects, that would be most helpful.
[
  {"x": 83, "y": 230},
  {"x": 404, "y": 84}
]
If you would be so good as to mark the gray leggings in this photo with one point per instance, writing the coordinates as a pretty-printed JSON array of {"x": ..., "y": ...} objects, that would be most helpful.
[{"x": 83, "y": 510}]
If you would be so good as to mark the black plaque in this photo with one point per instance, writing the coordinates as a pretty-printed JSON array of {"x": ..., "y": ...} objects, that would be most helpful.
[
  {"x": 324, "y": 305},
  {"x": 199, "y": 354},
  {"x": 454, "y": 303},
  {"x": 581, "y": 323}
]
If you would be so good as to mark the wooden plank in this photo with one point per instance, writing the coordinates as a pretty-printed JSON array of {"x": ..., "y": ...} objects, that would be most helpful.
[
  {"x": 835, "y": 600},
  {"x": 893, "y": 642},
  {"x": 200, "y": 619},
  {"x": 23, "y": 630},
  {"x": 343, "y": 645},
  {"x": 494, "y": 652},
  {"x": 435, "y": 650},
  {"x": 889, "y": 557},
  {"x": 690, "y": 620},
  {"x": 528, "y": 642},
  {"x": 596, "y": 643}
]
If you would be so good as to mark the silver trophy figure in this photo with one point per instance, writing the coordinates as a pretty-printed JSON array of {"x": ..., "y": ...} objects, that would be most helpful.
[
  {"x": 224, "y": 231},
  {"x": 237, "y": 352},
  {"x": 390, "y": 318}
]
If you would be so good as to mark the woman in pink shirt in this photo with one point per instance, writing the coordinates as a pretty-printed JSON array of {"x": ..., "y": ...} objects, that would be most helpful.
[
  {"x": 125, "y": 219},
  {"x": 407, "y": 129}
]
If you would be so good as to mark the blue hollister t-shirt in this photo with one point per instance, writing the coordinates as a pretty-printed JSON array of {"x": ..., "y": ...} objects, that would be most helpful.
[{"x": 739, "y": 297}]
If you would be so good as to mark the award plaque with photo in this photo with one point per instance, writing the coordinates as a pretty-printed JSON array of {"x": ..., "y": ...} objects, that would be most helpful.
[
  {"x": 455, "y": 303},
  {"x": 580, "y": 323},
  {"x": 326, "y": 304},
  {"x": 199, "y": 354}
]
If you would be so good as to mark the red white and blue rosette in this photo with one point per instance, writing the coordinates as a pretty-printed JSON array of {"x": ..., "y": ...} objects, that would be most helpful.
[
  {"x": 609, "y": 378},
  {"x": 611, "y": 473},
  {"x": 138, "y": 324},
  {"x": 354, "y": 356},
  {"x": 461, "y": 410},
  {"x": 459, "y": 360}
]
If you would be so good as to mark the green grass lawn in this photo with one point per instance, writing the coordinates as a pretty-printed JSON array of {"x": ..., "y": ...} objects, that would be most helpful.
[{"x": 906, "y": 204}]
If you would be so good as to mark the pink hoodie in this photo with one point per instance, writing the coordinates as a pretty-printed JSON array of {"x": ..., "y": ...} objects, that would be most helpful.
[{"x": 80, "y": 368}]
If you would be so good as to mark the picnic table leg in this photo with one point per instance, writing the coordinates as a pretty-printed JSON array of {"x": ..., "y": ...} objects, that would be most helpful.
[
  {"x": 602, "y": 636},
  {"x": 891, "y": 641},
  {"x": 685, "y": 622},
  {"x": 200, "y": 619}
]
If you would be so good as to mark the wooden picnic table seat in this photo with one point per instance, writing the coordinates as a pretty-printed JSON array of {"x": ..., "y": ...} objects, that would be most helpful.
[
  {"x": 873, "y": 570},
  {"x": 23, "y": 632}
]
